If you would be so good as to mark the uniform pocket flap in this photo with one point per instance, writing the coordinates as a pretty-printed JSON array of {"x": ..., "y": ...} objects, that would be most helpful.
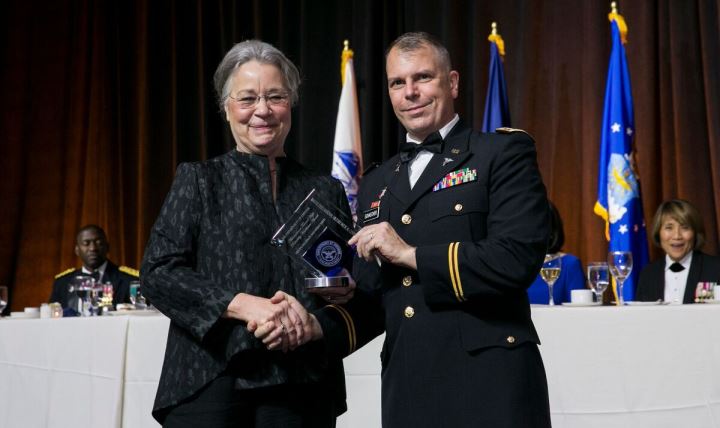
[
  {"x": 477, "y": 333},
  {"x": 458, "y": 200}
]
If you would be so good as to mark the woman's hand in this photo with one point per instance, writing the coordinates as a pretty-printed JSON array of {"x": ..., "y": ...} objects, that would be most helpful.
[
  {"x": 281, "y": 323},
  {"x": 291, "y": 327}
]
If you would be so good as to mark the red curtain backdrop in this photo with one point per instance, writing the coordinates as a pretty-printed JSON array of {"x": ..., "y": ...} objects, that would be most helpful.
[{"x": 102, "y": 100}]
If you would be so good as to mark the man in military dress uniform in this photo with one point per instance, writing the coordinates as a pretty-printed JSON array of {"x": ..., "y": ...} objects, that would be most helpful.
[
  {"x": 91, "y": 247},
  {"x": 459, "y": 221}
]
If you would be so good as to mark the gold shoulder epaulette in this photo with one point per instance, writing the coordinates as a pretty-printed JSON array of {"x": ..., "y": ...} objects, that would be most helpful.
[
  {"x": 129, "y": 271},
  {"x": 505, "y": 130},
  {"x": 63, "y": 273}
]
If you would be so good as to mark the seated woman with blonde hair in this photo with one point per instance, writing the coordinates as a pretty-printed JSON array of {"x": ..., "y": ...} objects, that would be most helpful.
[{"x": 678, "y": 229}]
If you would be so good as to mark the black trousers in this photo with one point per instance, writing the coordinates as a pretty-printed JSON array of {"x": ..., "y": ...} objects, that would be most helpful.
[{"x": 220, "y": 405}]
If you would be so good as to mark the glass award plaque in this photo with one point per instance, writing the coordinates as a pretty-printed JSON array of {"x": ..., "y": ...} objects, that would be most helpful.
[{"x": 316, "y": 236}]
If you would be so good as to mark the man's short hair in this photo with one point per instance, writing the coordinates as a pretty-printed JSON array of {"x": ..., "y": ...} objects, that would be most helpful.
[
  {"x": 99, "y": 230},
  {"x": 413, "y": 41}
]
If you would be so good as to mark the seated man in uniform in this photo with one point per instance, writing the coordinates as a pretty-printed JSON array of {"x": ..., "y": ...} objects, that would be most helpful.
[{"x": 92, "y": 247}]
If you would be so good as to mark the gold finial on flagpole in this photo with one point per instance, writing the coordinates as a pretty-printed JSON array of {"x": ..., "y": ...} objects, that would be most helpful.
[
  {"x": 346, "y": 55},
  {"x": 497, "y": 39},
  {"x": 615, "y": 16}
]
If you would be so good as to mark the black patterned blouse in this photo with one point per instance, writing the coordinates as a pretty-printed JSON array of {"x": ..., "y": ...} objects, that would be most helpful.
[{"x": 212, "y": 241}]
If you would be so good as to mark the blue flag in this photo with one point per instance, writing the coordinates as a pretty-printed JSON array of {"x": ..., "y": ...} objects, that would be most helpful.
[
  {"x": 618, "y": 197},
  {"x": 497, "y": 111}
]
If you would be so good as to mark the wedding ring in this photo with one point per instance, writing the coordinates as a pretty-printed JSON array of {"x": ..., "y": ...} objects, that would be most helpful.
[{"x": 282, "y": 326}]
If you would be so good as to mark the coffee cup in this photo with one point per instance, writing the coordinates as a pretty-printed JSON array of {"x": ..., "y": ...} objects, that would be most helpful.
[{"x": 581, "y": 296}]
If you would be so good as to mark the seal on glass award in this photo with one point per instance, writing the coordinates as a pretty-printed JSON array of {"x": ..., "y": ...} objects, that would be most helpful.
[{"x": 316, "y": 236}]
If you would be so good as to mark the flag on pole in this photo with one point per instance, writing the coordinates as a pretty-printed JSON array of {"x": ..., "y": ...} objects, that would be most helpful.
[
  {"x": 347, "y": 157},
  {"x": 618, "y": 197},
  {"x": 497, "y": 110}
]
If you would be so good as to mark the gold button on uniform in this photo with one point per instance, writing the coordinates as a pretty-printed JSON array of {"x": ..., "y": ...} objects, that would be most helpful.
[
  {"x": 458, "y": 207},
  {"x": 510, "y": 339},
  {"x": 407, "y": 281},
  {"x": 406, "y": 219},
  {"x": 409, "y": 312}
]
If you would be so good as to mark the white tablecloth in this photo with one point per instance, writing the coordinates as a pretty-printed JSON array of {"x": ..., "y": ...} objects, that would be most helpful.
[
  {"x": 609, "y": 367},
  {"x": 634, "y": 367},
  {"x": 61, "y": 373}
]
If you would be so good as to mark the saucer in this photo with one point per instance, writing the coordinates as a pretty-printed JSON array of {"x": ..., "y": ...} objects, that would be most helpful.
[
  {"x": 18, "y": 315},
  {"x": 577, "y": 305}
]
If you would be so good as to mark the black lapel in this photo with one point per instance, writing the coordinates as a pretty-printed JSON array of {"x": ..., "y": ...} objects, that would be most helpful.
[
  {"x": 696, "y": 266},
  {"x": 455, "y": 152},
  {"x": 397, "y": 181}
]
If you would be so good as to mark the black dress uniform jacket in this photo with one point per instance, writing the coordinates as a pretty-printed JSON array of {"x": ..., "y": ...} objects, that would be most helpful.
[
  {"x": 460, "y": 348},
  {"x": 120, "y": 279},
  {"x": 651, "y": 286},
  {"x": 212, "y": 241}
]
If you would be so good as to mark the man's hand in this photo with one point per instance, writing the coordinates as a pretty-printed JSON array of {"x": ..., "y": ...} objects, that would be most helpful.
[{"x": 382, "y": 240}]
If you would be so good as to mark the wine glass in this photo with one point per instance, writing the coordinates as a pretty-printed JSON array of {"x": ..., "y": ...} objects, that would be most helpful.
[
  {"x": 3, "y": 298},
  {"x": 550, "y": 272},
  {"x": 599, "y": 278},
  {"x": 620, "y": 264}
]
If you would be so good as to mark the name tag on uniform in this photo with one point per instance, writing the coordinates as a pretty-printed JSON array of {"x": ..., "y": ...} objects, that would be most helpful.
[
  {"x": 373, "y": 213},
  {"x": 455, "y": 178}
]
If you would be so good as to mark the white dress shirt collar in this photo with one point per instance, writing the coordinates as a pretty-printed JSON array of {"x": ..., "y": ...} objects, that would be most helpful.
[
  {"x": 422, "y": 159},
  {"x": 100, "y": 270},
  {"x": 676, "y": 282}
]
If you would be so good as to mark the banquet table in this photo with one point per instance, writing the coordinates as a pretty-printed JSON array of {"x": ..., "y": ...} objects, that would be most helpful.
[{"x": 636, "y": 366}]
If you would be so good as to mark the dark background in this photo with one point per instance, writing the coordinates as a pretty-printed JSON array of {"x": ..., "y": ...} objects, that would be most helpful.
[{"x": 102, "y": 99}]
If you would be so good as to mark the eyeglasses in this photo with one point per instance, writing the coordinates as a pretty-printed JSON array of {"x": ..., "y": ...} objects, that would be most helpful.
[{"x": 273, "y": 100}]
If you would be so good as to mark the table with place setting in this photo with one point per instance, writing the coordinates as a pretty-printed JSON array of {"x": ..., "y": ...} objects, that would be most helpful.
[{"x": 641, "y": 365}]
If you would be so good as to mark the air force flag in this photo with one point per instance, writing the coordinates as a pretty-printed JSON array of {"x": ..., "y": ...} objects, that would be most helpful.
[{"x": 618, "y": 197}]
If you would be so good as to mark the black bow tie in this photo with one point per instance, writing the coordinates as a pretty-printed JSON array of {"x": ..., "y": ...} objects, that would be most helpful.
[
  {"x": 677, "y": 267},
  {"x": 433, "y": 143},
  {"x": 95, "y": 275}
]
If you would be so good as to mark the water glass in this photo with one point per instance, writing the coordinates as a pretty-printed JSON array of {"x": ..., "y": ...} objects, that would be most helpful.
[
  {"x": 3, "y": 298},
  {"x": 136, "y": 296},
  {"x": 599, "y": 278}
]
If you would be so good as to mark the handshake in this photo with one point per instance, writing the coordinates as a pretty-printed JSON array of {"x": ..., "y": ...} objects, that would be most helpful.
[{"x": 281, "y": 322}]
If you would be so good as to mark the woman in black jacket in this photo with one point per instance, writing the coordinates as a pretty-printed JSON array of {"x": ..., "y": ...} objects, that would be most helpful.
[
  {"x": 210, "y": 268},
  {"x": 677, "y": 229}
]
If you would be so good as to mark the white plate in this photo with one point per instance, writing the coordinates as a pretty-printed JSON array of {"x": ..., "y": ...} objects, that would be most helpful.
[
  {"x": 571, "y": 304},
  {"x": 136, "y": 312},
  {"x": 637, "y": 303}
]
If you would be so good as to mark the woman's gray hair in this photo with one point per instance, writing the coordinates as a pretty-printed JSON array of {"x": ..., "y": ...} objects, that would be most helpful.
[{"x": 261, "y": 52}]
